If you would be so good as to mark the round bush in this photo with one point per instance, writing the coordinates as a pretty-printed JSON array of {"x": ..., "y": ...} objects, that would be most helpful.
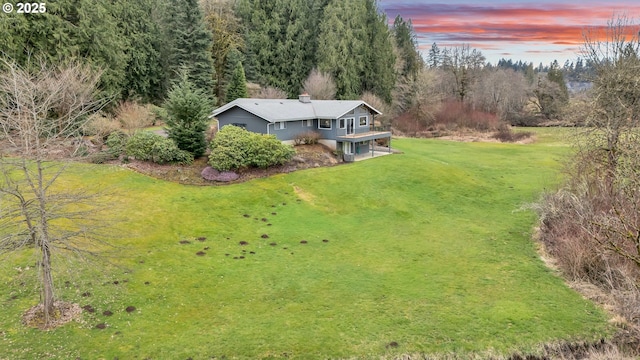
[
  {"x": 147, "y": 146},
  {"x": 236, "y": 148}
]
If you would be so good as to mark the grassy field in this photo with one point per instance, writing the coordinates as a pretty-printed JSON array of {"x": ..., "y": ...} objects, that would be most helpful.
[{"x": 422, "y": 252}]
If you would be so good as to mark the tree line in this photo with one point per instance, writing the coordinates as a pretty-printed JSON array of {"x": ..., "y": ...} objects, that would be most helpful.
[{"x": 284, "y": 46}]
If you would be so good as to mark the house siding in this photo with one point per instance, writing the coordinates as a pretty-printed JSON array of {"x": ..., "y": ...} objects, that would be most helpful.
[
  {"x": 293, "y": 128},
  {"x": 257, "y": 124},
  {"x": 239, "y": 116},
  {"x": 358, "y": 112}
]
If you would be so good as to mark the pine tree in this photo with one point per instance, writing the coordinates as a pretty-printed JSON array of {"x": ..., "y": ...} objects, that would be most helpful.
[
  {"x": 435, "y": 58},
  {"x": 407, "y": 44},
  {"x": 238, "y": 84},
  {"x": 281, "y": 41},
  {"x": 379, "y": 74},
  {"x": 188, "y": 108},
  {"x": 143, "y": 72},
  {"x": 69, "y": 29},
  {"x": 190, "y": 44},
  {"x": 341, "y": 46},
  {"x": 555, "y": 76}
]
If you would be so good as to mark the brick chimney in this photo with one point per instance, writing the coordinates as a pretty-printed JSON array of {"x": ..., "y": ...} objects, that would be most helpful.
[{"x": 304, "y": 98}]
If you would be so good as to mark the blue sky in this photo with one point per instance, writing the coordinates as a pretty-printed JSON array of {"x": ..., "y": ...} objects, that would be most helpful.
[{"x": 536, "y": 31}]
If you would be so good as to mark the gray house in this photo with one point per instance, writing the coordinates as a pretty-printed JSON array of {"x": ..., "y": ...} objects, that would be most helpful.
[{"x": 344, "y": 125}]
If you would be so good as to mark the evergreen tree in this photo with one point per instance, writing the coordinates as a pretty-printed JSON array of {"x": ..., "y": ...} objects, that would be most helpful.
[
  {"x": 435, "y": 58},
  {"x": 281, "y": 40},
  {"x": 238, "y": 84},
  {"x": 69, "y": 29},
  {"x": 342, "y": 46},
  {"x": 379, "y": 74},
  {"x": 190, "y": 44},
  {"x": 188, "y": 109},
  {"x": 143, "y": 73},
  {"x": 406, "y": 42},
  {"x": 555, "y": 76}
]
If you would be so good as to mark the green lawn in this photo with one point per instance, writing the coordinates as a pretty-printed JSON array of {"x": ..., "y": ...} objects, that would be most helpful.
[{"x": 427, "y": 249}]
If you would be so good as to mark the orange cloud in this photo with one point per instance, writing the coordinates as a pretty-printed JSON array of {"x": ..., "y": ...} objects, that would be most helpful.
[{"x": 552, "y": 23}]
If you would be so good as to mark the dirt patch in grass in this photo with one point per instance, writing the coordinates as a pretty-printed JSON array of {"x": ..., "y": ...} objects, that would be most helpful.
[
  {"x": 307, "y": 156},
  {"x": 303, "y": 194},
  {"x": 63, "y": 312}
]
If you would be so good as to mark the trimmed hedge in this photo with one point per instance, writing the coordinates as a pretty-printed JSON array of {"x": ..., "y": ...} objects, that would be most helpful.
[{"x": 236, "y": 148}]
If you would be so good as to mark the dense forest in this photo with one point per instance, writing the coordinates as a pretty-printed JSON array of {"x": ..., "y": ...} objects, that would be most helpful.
[{"x": 344, "y": 49}]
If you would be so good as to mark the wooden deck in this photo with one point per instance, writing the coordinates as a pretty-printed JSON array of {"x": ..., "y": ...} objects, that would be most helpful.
[{"x": 369, "y": 135}]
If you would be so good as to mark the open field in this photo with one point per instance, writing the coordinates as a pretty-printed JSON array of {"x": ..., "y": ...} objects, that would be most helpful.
[{"x": 423, "y": 252}]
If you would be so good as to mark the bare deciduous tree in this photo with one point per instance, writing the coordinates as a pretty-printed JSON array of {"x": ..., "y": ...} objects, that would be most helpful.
[
  {"x": 42, "y": 111},
  {"x": 501, "y": 91},
  {"x": 320, "y": 86},
  {"x": 606, "y": 170},
  {"x": 464, "y": 63},
  {"x": 615, "y": 56},
  {"x": 271, "y": 93}
]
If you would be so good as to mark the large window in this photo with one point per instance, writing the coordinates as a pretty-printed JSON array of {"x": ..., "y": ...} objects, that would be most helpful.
[
  {"x": 364, "y": 121},
  {"x": 324, "y": 124}
]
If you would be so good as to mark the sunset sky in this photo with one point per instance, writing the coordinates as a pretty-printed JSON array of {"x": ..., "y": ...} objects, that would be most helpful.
[{"x": 536, "y": 31}]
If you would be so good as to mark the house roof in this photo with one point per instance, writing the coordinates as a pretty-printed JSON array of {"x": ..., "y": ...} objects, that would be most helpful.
[{"x": 275, "y": 110}]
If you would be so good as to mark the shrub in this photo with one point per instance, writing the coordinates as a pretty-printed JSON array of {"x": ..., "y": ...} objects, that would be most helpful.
[
  {"x": 166, "y": 151},
  {"x": 267, "y": 150},
  {"x": 133, "y": 117},
  {"x": 101, "y": 157},
  {"x": 229, "y": 148},
  {"x": 236, "y": 148},
  {"x": 116, "y": 143},
  {"x": 140, "y": 145},
  {"x": 506, "y": 134},
  {"x": 101, "y": 126},
  {"x": 307, "y": 138},
  {"x": 147, "y": 146}
]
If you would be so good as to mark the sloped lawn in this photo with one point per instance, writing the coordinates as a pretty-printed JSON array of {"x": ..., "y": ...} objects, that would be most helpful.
[{"x": 423, "y": 252}]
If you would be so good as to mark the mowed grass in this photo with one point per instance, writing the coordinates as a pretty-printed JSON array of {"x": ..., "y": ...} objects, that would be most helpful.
[{"x": 429, "y": 250}]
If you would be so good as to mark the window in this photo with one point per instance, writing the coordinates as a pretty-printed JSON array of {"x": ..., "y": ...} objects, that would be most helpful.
[
  {"x": 324, "y": 124},
  {"x": 343, "y": 124},
  {"x": 364, "y": 121},
  {"x": 244, "y": 126},
  {"x": 281, "y": 125},
  {"x": 308, "y": 123}
]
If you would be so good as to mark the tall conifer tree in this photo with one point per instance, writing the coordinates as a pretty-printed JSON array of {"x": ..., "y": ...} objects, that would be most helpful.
[
  {"x": 191, "y": 43},
  {"x": 238, "y": 84}
]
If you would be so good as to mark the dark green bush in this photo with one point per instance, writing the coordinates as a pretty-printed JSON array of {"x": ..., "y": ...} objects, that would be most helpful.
[
  {"x": 147, "y": 146},
  {"x": 116, "y": 142},
  {"x": 101, "y": 157},
  {"x": 166, "y": 151},
  {"x": 235, "y": 148}
]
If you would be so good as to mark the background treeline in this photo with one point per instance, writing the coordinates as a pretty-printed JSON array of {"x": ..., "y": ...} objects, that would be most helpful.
[{"x": 331, "y": 49}]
